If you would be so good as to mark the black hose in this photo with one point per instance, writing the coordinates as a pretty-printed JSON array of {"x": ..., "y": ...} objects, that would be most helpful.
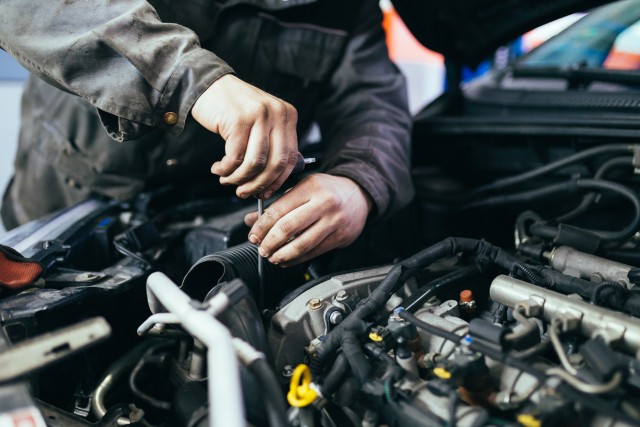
[
  {"x": 447, "y": 281},
  {"x": 336, "y": 375},
  {"x": 149, "y": 357},
  {"x": 271, "y": 393},
  {"x": 524, "y": 196},
  {"x": 634, "y": 225},
  {"x": 352, "y": 350},
  {"x": 550, "y": 232},
  {"x": 433, "y": 330},
  {"x": 529, "y": 274},
  {"x": 590, "y": 198},
  {"x": 634, "y": 275},
  {"x": 619, "y": 292},
  {"x": 588, "y": 401},
  {"x": 454, "y": 400},
  {"x": 526, "y": 176},
  {"x": 485, "y": 254}
]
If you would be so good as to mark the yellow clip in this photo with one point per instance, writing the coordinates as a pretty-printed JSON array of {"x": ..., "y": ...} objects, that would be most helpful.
[
  {"x": 442, "y": 373},
  {"x": 529, "y": 420},
  {"x": 375, "y": 337},
  {"x": 300, "y": 393}
]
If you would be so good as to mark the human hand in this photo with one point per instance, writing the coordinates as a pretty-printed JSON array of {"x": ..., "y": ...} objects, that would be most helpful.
[
  {"x": 261, "y": 144},
  {"x": 321, "y": 213}
]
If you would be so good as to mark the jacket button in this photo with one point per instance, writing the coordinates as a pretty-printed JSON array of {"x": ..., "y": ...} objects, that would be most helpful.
[{"x": 170, "y": 118}]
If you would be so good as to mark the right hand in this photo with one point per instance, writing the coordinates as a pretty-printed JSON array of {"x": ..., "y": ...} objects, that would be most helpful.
[{"x": 261, "y": 144}]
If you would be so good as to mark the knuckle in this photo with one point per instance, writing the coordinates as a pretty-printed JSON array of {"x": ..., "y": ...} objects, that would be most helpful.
[
  {"x": 292, "y": 113},
  {"x": 286, "y": 227},
  {"x": 257, "y": 163},
  {"x": 280, "y": 109},
  {"x": 270, "y": 215},
  {"x": 301, "y": 245}
]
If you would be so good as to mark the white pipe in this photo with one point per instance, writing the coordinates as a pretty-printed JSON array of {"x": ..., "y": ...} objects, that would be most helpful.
[
  {"x": 154, "y": 319},
  {"x": 225, "y": 395}
]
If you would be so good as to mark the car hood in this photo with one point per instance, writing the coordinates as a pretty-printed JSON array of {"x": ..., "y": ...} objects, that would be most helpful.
[{"x": 468, "y": 31}]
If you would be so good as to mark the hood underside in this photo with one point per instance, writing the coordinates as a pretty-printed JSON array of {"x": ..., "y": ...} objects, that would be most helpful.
[{"x": 468, "y": 31}]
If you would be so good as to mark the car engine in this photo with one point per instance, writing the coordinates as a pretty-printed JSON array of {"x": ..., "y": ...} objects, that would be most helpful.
[{"x": 152, "y": 312}]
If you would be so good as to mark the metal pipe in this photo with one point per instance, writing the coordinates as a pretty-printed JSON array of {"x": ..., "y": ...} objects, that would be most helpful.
[
  {"x": 225, "y": 395},
  {"x": 591, "y": 320},
  {"x": 574, "y": 263}
]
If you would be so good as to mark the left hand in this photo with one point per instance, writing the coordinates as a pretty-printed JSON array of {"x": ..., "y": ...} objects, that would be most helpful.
[{"x": 321, "y": 213}]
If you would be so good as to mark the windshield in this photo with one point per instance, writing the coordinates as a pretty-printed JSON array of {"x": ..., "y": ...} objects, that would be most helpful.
[{"x": 607, "y": 38}]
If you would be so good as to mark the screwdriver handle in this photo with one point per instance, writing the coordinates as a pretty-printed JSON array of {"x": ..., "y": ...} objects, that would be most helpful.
[{"x": 301, "y": 162}]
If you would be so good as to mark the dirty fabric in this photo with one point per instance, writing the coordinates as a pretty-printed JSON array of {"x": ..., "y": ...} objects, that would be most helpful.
[{"x": 107, "y": 73}]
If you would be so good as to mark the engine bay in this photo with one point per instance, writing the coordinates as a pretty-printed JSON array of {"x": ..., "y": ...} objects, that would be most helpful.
[{"x": 150, "y": 312}]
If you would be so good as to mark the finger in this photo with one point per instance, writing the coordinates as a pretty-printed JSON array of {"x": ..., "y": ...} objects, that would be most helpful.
[
  {"x": 283, "y": 151},
  {"x": 255, "y": 159},
  {"x": 235, "y": 147},
  {"x": 275, "y": 186},
  {"x": 251, "y": 218},
  {"x": 287, "y": 228},
  {"x": 275, "y": 211},
  {"x": 311, "y": 242}
]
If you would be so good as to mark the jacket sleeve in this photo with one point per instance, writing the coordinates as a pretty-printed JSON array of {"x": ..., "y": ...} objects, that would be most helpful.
[
  {"x": 365, "y": 118},
  {"x": 118, "y": 55}
]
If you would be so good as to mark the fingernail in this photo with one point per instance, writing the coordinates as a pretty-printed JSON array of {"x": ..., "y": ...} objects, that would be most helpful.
[
  {"x": 262, "y": 252},
  {"x": 253, "y": 239},
  {"x": 267, "y": 194}
]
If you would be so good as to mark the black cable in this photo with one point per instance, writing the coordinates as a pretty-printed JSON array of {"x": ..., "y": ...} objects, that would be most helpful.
[
  {"x": 454, "y": 400},
  {"x": 526, "y": 176},
  {"x": 433, "y": 330},
  {"x": 524, "y": 196},
  {"x": 147, "y": 357},
  {"x": 590, "y": 198},
  {"x": 336, "y": 376},
  {"x": 634, "y": 275},
  {"x": 485, "y": 254},
  {"x": 588, "y": 401},
  {"x": 618, "y": 291},
  {"x": 569, "y": 186},
  {"x": 521, "y": 270},
  {"x": 417, "y": 299},
  {"x": 271, "y": 393}
]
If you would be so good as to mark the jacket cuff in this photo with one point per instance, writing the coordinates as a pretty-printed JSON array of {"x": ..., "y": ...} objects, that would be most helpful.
[{"x": 193, "y": 75}]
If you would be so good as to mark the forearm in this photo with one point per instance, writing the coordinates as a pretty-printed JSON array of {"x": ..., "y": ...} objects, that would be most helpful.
[
  {"x": 364, "y": 116},
  {"x": 117, "y": 55}
]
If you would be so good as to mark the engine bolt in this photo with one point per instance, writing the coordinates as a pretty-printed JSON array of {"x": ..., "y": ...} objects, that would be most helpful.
[
  {"x": 342, "y": 295},
  {"x": 335, "y": 317},
  {"x": 287, "y": 371},
  {"x": 314, "y": 303}
]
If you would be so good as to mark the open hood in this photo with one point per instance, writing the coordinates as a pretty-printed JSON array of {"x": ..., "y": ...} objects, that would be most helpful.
[{"x": 468, "y": 31}]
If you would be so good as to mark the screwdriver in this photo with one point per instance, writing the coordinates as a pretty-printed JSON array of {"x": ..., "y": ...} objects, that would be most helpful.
[{"x": 301, "y": 162}]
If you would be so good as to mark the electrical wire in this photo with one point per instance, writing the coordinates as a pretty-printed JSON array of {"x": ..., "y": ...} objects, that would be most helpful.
[
  {"x": 590, "y": 198},
  {"x": 569, "y": 186},
  {"x": 557, "y": 345},
  {"x": 126, "y": 252},
  {"x": 527, "y": 326},
  {"x": 550, "y": 167},
  {"x": 584, "y": 387},
  {"x": 586, "y": 398}
]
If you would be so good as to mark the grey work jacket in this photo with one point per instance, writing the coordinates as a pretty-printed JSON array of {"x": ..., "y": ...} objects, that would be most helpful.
[{"x": 123, "y": 65}]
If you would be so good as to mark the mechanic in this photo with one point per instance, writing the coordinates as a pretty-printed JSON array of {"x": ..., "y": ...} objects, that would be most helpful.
[{"x": 163, "y": 77}]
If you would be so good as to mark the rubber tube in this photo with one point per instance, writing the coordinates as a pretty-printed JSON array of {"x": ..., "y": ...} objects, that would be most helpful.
[
  {"x": 271, "y": 392},
  {"x": 526, "y": 176}
]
